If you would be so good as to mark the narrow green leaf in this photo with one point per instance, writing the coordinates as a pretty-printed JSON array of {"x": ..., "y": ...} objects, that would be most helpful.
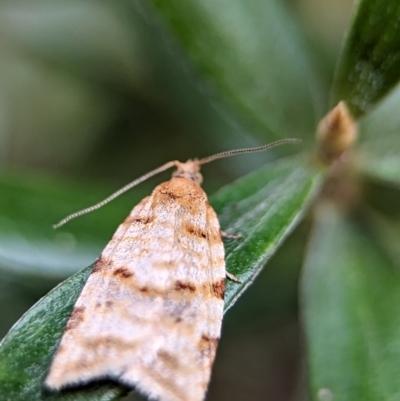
[
  {"x": 380, "y": 158},
  {"x": 253, "y": 55},
  {"x": 350, "y": 294},
  {"x": 370, "y": 64},
  {"x": 263, "y": 207},
  {"x": 384, "y": 120},
  {"x": 378, "y": 155}
]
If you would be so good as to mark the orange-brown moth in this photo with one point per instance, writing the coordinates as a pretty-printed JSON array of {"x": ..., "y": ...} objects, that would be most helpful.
[{"x": 150, "y": 313}]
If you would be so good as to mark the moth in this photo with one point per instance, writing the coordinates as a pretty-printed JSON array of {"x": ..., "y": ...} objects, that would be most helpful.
[{"x": 150, "y": 313}]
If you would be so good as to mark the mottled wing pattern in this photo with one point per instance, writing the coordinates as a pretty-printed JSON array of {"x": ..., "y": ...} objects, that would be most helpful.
[{"x": 150, "y": 313}]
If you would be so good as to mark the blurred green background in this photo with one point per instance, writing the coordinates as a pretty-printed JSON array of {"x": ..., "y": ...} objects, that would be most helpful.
[{"x": 94, "y": 94}]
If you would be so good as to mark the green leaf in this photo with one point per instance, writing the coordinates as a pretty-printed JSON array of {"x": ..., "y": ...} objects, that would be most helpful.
[
  {"x": 384, "y": 121},
  {"x": 370, "y": 64},
  {"x": 350, "y": 294},
  {"x": 252, "y": 53},
  {"x": 378, "y": 155},
  {"x": 380, "y": 158},
  {"x": 263, "y": 207}
]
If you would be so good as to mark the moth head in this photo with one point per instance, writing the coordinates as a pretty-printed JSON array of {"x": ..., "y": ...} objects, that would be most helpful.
[{"x": 189, "y": 170}]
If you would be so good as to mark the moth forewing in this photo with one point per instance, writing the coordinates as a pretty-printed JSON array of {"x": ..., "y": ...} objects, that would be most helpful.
[{"x": 150, "y": 313}]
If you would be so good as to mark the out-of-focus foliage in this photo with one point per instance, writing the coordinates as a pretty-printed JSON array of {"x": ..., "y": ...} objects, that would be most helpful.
[{"x": 102, "y": 92}]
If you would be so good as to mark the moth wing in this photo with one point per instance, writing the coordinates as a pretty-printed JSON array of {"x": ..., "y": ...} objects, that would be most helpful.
[{"x": 150, "y": 313}]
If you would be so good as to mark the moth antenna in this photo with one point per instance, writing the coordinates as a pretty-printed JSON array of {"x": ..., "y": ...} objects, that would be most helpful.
[
  {"x": 247, "y": 150},
  {"x": 127, "y": 187}
]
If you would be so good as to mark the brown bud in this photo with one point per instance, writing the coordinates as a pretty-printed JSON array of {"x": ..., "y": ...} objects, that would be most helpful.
[{"x": 336, "y": 133}]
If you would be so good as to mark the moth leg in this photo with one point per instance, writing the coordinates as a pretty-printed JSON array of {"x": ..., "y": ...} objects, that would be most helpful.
[
  {"x": 224, "y": 234},
  {"x": 232, "y": 277}
]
